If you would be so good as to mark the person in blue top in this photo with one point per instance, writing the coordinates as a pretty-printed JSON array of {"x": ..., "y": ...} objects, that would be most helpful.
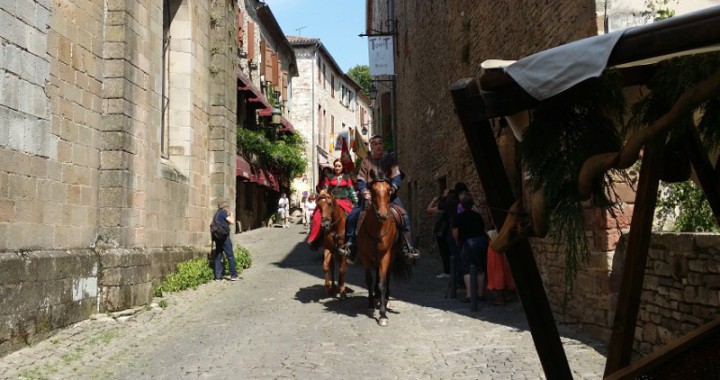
[
  {"x": 224, "y": 216},
  {"x": 385, "y": 163}
]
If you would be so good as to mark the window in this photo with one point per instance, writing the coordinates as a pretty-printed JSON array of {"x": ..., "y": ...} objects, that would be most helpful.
[
  {"x": 332, "y": 85},
  {"x": 170, "y": 8},
  {"x": 319, "y": 69}
]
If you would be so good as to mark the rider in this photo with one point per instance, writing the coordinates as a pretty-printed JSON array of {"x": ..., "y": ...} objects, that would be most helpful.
[
  {"x": 340, "y": 185},
  {"x": 387, "y": 164}
]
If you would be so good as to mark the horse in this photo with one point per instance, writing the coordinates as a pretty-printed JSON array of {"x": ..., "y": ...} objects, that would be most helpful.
[
  {"x": 333, "y": 236},
  {"x": 377, "y": 243}
]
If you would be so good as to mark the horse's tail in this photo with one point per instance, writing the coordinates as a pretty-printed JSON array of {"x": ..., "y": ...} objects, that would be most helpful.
[{"x": 401, "y": 269}]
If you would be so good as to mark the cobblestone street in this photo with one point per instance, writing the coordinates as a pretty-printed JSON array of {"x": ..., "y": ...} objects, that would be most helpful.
[{"x": 276, "y": 323}]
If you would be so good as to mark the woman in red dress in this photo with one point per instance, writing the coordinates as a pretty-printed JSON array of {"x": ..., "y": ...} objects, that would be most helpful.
[{"x": 340, "y": 185}]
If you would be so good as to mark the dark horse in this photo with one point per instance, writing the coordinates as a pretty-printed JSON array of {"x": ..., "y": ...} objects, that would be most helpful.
[
  {"x": 333, "y": 236},
  {"x": 377, "y": 242}
]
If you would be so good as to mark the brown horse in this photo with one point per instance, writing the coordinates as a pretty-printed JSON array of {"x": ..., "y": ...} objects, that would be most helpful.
[
  {"x": 377, "y": 242},
  {"x": 333, "y": 236}
]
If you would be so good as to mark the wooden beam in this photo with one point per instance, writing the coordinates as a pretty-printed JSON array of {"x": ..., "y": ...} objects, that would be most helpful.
[
  {"x": 628, "y": 304},
  {"x": 666, "y": 353},
  {"x": 488, "y": 164}
]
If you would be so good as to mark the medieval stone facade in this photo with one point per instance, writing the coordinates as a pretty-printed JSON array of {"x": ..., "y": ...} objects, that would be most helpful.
[
  {"x": 117, "y": 123},
  {"x": 326, "y": 104},
  {"x": 438, "y": 43},
  {"x": 266, "y": 67}
]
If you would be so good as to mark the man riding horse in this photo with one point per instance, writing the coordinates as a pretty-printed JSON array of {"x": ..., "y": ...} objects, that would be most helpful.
[{"x": 387, "y": 165}]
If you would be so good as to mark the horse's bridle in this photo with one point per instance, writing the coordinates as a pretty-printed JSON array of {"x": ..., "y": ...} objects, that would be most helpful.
[
  {"x": 377, "y": 215},
  {"x": 333, "y": 221},
  {"x": 333, "y": 203}
]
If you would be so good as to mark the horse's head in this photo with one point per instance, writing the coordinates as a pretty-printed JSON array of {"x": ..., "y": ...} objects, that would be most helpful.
[
  {"x": 324, "y": 204},
  {"x": 381, "y": 191}
]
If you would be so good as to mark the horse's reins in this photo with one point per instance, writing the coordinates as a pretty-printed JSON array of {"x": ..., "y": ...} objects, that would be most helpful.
[
  {"x": 334, "y": 220},
  {"x": 377, "y": 215}
]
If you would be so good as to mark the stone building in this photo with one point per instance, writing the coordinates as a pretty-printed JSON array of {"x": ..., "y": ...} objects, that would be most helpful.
[
  {"x": 117, "y": 139},
  {"x": 266, "y": 67},
  {"x": 438, "y": 43},
  {"x": 326, "y": 104}
]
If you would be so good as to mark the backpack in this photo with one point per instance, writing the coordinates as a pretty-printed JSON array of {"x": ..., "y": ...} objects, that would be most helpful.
[
  {"x": 442, "y": 224},
  {"x": 219, "y": 230}
]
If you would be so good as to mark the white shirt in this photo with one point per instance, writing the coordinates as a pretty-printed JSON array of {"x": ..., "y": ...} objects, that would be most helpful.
[{"x": 283, "y": 204}]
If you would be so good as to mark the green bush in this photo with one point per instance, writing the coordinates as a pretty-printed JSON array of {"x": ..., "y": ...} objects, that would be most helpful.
[
  {"x": 242, "y": 258},
  {"x": 196, "y": 272}
]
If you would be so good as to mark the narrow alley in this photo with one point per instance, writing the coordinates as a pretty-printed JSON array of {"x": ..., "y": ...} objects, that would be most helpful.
[{"x": 276, "y": 323}]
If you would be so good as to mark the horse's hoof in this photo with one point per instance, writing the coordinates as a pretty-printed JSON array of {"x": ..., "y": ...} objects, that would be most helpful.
[
  {"x": 343, "y": 296},
  {"x": 383, "y": 322}
]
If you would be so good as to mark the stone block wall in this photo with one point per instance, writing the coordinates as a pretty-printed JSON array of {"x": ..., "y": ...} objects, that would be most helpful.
[
  {"x": 681, "y": 290},
  {"x": 441, "y": 42},
  {"x": 93, "y": 211}
]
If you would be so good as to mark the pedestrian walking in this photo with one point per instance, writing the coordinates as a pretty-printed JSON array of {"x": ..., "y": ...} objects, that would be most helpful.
[{"x": 284, "y": 210}]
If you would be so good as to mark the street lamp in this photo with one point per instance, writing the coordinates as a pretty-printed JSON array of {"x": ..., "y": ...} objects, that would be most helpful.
[
  {"x": 364, "y": 128},
  {"x": 373, "y": 92},
  {"x": 276, "y": 116}
]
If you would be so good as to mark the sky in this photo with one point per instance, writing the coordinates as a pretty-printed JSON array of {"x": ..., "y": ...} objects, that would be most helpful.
[{"x": 336, "y": 23}]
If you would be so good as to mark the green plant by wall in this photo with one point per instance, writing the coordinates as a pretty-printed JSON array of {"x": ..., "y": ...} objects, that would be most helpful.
[
  {"x": 688, "y": 204},
  {"x": 195, "y": 272},
  {"x": 242, "y": 258},
  {"x": 564, "y": 131},
  {"x": 281, "y": 152}
]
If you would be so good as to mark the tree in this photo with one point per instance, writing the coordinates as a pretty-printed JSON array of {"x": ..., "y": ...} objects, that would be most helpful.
[{"x": 361, "y": 75}]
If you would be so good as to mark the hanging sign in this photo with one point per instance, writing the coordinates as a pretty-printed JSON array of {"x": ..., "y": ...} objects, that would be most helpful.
[{"x": 380, "y": 49}]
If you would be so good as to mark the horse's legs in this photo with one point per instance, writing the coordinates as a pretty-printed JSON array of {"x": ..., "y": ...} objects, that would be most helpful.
[
  {"x": 329, "y": 272},
  {"x": 376, "y": 284},
  {"x": 383, "y": 320},
  {"x": 369, "y": 285},
  {"x": 342, "y": 263}
]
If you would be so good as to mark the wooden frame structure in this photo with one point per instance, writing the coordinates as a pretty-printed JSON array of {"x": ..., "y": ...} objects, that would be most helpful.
[{"x": 498, "y": 95}]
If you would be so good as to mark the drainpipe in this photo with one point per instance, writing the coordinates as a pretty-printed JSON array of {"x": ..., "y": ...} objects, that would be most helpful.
[
  {"x": 393, "y": 94},
  {"x": 312, "y": 116}
]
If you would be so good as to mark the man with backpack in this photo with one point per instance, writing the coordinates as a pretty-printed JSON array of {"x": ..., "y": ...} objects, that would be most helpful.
[{"x": 220, "y": 232}]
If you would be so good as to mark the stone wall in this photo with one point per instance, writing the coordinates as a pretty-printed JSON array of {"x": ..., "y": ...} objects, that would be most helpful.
[
  {"x": 681, "y": 290},
  {"x": 43, "y": 290},
  {"x": 319, "y": 115},
  {"x": 101, "y": 194},
  {"x": 441, "y": 42}
]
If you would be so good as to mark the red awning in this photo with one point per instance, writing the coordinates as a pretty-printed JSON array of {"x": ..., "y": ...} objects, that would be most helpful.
[
  {"x": 272, "y": 181},
  {"x": 287, "y": 126},
  {"x": 254, "y": 95},
  {"x": 260, "y": 177},
  {"x": 242, "y": 168}
]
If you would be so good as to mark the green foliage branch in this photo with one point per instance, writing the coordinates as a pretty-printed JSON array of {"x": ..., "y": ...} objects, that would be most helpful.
[
  {"x": 283, "y": 152},
  {"x": 670, "y": 80},
  {"x": 361, "y": 75},
  {"x": 564, "y": 131},
  {"x": 195, "y": 272}
]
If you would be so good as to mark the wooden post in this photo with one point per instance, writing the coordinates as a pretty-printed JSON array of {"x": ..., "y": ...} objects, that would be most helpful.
[
  {"x": 488, "y": 164},
  {"x": 628, "y": 304}
]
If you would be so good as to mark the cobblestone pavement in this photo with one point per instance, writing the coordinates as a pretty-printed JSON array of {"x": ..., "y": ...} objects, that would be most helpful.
[{"x": 276, "y": 323}]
